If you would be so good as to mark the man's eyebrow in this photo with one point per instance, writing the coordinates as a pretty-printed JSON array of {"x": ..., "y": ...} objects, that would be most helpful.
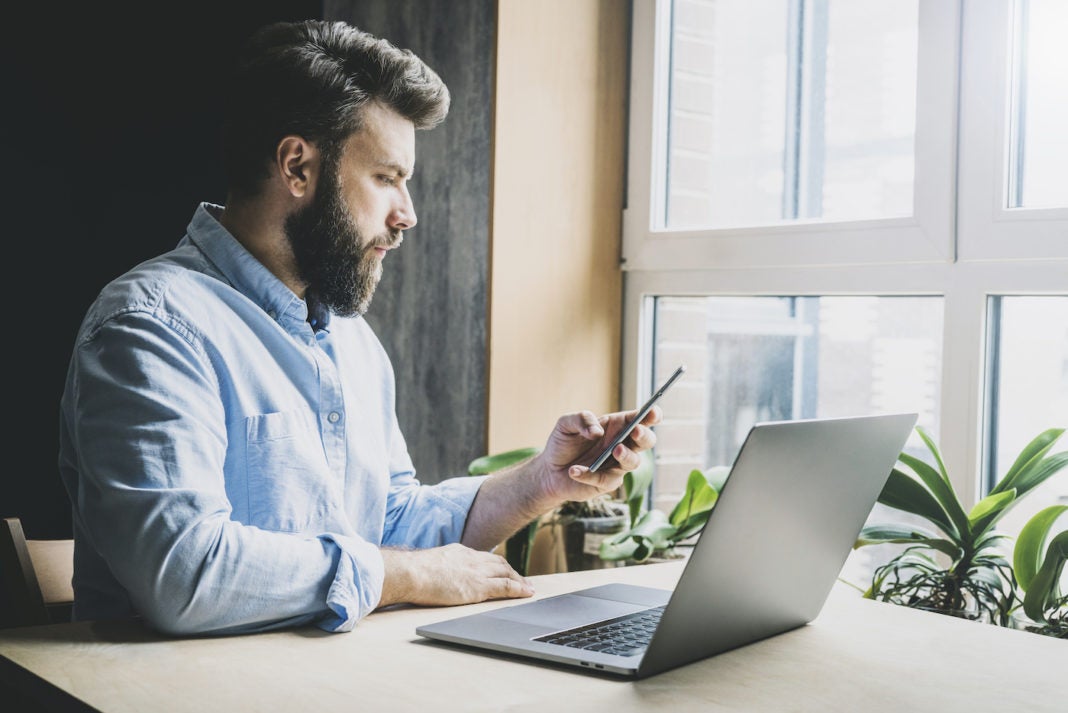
[{"x": 398, "y": 168}]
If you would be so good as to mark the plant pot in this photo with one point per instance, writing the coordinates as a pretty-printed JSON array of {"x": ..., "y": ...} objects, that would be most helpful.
[{"x": 583, "y": 537}]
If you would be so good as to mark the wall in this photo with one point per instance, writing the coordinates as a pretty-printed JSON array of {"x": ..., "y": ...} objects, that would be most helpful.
[
  {"x": 558, "y": 176},
  {"x": 430, "y": 308}
]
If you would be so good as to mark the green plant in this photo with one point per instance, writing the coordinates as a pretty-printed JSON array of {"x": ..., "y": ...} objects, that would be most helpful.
[
  {"x": 953, "y": 564},
  {"x": 1038, "y": 575},
  {"x": 651, "y": 531}
]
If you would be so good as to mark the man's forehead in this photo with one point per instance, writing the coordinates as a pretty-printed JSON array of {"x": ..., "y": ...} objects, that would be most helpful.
[{"x": 385, "y": 139}]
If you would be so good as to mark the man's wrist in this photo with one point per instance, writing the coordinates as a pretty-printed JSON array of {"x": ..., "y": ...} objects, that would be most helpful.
[{"x": 398, "y": 581}]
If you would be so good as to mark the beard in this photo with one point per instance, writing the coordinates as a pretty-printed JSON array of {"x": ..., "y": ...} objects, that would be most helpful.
[{"x": 333, "y": 258}]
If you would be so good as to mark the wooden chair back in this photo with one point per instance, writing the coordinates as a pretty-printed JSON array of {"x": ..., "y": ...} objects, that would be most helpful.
[{"x": 36, "y": 576}]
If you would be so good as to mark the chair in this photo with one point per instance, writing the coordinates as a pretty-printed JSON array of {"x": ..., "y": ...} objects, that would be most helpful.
[{"x": 36, "y": 576}]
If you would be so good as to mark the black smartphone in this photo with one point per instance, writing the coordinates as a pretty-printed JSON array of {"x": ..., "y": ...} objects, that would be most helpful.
[{"x": 607, "y": 452}]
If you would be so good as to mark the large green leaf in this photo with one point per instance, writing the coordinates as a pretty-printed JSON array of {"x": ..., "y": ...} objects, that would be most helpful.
[
  {"x": 1027, "y": 554},
  {"x": 636, "y": 485},
  {"x": 903, "y": 492},
  {"x": 933, "y": 447},
  {"x": 943, "y": 493},
  {"x": 885, "y": 534},
  {"x": 988, "y": 510},
  {"x": 1033, "y": 452},
  {"x": 650, "y": 533},
  {"x": 699, "y": 497},
  {"x": 492, "y": 463},
  {"x": 1037, "y": 472},
  {"x": 1044, "y": 589}
]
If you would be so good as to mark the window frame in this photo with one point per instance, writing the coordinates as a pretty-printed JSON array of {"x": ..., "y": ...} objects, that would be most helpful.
[{"x": 965, "y": 264}]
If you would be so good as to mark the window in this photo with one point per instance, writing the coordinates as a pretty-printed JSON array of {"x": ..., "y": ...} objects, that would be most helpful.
[{"x": 849, "y": 205}]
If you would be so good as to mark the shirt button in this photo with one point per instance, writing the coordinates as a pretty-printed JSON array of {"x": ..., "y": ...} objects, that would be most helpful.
[
  {"x": 272, "y": 314},
  {"x": 334, "y": 417}
]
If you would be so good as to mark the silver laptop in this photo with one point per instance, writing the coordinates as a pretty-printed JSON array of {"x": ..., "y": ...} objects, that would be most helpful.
[{"x": 796, "y": 498}]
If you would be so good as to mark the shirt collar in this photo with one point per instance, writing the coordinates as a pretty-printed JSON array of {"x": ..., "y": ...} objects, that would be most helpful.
[{"x": 247, "y": 274}]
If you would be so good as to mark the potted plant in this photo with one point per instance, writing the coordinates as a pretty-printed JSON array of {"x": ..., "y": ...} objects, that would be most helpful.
[
  {"x": 1038, "y": 569},
  {"x": 953, "y": 563},
  {"x": 652, "y": 533}
]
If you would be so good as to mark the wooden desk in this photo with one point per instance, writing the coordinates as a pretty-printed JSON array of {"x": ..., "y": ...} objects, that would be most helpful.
[{"x": 857, "y": 655}]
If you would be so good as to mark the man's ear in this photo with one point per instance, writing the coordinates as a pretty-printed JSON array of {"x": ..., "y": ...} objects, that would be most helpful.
[{"x": 297, "y": 164}]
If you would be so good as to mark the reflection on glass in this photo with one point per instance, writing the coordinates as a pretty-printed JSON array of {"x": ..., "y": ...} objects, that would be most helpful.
[
  {"x": 1027, "y": 392},
  {"x": 790, "y": 109},
  {"x": 1038, "y": 144}
]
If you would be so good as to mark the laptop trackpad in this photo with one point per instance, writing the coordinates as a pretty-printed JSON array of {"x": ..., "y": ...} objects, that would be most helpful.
[{"x": 565, "y": 611}]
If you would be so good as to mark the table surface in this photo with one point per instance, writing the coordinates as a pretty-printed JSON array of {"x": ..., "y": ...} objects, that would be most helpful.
[{"x": 856, "y": 655}]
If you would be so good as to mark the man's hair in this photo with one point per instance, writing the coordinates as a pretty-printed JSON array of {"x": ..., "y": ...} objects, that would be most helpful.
[{"x": 312, "y": 79}]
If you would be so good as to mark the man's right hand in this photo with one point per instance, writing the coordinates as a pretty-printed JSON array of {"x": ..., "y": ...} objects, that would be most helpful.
[{"x": 453, "y": 574}]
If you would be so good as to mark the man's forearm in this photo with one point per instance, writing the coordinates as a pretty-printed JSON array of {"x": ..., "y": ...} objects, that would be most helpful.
[{"x": 507, "y": 501}]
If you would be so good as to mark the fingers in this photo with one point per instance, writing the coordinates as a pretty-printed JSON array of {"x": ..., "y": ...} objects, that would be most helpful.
[
  {"x": 603, "y": 480},
  {"x": 584, "y": 423}
]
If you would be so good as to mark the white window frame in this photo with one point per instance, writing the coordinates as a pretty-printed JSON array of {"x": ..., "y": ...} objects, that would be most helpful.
[{"x": 956, "y": 247}]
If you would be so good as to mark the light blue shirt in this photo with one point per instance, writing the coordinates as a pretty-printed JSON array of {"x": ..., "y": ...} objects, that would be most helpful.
[{"x": 231, "y": 468}]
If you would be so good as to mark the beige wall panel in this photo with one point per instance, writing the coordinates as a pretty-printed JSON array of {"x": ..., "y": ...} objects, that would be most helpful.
[{"x": 556, "y": 288}]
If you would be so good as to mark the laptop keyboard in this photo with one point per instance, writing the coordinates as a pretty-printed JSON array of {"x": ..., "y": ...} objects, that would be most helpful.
[{"x": 624, "y": 636}]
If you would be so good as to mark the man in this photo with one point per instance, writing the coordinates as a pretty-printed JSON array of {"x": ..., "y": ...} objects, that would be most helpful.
[{"x": 228, "y": 433}]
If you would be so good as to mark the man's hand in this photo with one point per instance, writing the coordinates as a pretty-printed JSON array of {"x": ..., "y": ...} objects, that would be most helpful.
[
  {"x": 511, "y": 498},
  {"x": 578, "y": 439},
  {"x": 448, "y": 575}
]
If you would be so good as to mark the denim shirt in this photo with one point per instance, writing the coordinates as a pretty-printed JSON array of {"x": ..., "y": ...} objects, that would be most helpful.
[{"x": 231, "y": 467}]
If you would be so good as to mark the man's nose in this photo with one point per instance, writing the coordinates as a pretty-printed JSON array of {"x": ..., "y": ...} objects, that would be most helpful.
[{"x": 403, "y": 215}]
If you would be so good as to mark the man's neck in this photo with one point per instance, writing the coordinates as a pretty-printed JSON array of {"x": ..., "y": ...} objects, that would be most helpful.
[{"x": 259, "y": 227}]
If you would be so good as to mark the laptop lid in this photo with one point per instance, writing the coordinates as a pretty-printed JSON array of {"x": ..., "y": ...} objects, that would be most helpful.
[{"x": 797, "y": 495}]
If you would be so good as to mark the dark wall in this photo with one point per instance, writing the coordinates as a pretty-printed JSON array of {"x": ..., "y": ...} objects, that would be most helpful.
[
  {"x": 110, "y": 134},
  {"x": 430, "y": 310}
]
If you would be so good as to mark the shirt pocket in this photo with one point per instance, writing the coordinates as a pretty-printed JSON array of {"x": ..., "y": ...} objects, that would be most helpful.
[{"x": 289, "y": 481}]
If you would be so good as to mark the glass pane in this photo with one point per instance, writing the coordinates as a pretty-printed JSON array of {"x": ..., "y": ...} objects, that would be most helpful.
[
  {"x": 1039, "y": 145},
  {"x": 755, "y": 359},
  {"x": 790, "y": 109},
  {"x": 1028, "y": 391}
]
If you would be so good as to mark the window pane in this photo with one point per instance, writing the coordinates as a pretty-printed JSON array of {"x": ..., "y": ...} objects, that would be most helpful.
[
  {"x": 1028, "y": 391},
  {"x": 1038, "y": 145},
  {"x": 790, "y": 109},
  {"x": 755, "y": 359}
]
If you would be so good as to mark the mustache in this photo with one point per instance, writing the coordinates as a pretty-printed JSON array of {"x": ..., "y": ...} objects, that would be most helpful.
[{"x": 389, "y": 240}]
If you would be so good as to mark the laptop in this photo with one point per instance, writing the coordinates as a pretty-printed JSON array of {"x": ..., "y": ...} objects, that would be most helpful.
[{"x": 795, "y": 500}]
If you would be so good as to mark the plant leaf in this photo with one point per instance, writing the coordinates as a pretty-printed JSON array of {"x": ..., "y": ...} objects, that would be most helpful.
[
  {"x": 1036, "y": 449},
  {"x": 989, "y": 510},
  {"x": 699, "y": 497},
  {"x": 903, "y": 492},
  {"x": 1027, "y": 554},
  {"x": 1044, "y": 589},
  {"x": 1037, "y": 473},
  {"x": 650, "y": 533},
  {"x": 492, "y": 463},
  {"x": 931, "y": 446},
  {"x": 882, "y": 534},
  {"x": 636, "y": 485},
  {"x": 942, "y": 491}
]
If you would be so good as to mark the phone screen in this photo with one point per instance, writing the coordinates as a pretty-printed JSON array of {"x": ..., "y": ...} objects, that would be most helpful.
[{"x": 607, "y": 452}]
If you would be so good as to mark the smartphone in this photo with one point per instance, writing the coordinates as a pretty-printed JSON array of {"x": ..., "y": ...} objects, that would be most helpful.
[{"x": 606, "y": 454}]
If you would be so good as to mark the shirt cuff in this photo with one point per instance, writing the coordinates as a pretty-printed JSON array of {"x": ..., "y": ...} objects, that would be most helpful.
[{"x": 357, "y": 586}]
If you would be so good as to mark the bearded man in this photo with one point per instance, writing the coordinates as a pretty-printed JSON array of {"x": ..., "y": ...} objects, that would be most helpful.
[{"x": 228, "y": 435}]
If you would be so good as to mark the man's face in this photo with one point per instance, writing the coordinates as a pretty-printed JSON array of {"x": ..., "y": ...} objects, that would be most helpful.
[{"x": 357, "y": 214}]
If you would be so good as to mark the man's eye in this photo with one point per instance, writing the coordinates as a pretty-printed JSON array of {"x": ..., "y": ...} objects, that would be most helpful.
[{"x": 388, "y": 180}]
